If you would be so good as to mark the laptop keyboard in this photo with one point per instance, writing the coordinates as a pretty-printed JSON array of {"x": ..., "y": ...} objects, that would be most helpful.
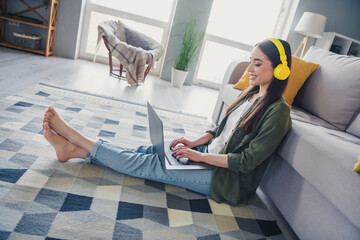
[{"x": 184, "y": 161}]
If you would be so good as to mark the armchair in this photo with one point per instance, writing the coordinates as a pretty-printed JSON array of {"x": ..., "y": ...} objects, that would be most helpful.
[{"x": 136, "y": 52}]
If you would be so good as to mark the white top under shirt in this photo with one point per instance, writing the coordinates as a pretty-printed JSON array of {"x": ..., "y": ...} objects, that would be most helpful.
[{"x": 219, "y": 142}]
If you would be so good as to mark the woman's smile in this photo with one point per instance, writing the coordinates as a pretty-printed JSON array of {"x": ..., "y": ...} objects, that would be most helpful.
[{"x": 252, "y": 77}]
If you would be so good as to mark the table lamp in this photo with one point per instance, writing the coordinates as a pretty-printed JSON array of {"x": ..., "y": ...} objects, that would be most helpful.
[{"x": 310, "y": 25}]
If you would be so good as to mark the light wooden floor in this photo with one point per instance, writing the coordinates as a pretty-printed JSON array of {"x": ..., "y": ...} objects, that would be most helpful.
[{"x": 20, "y": 70}]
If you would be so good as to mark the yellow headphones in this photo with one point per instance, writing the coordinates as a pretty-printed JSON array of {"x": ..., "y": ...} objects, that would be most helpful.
[{"x": 282, "y": 71}]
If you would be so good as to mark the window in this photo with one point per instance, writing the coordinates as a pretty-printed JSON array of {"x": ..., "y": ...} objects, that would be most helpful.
[
  {"x": 234, "y": 27},
  {"x": 149, "y": 19}
]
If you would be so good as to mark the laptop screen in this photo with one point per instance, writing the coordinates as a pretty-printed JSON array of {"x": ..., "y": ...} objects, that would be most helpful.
[{"x": 156, "y": 132}]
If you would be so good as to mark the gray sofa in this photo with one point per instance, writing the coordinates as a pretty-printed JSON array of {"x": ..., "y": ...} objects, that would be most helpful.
[{"x": 310, "y": 179}]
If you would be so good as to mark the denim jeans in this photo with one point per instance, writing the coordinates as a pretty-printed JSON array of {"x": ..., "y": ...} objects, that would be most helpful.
[{"x": 143, "y": 162}]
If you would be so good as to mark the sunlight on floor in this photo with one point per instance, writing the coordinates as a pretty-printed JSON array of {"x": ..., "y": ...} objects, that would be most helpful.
[{"x": 93, "y": 77}]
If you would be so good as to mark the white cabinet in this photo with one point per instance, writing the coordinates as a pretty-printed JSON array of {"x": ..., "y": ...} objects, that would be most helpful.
[{"x": 338, "y": 43}]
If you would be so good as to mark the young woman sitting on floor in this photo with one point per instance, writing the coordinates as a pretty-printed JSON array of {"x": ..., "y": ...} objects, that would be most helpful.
[{"x": 239, "y": 149}]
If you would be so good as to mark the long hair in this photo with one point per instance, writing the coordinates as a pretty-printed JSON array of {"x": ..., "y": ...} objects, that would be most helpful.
[{"x": 273, "y": 92}]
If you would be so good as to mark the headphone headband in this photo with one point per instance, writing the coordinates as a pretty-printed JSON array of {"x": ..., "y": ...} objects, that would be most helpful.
[
  {"x": 279, "y": 46},
  {"x": 282, "y": 71}
]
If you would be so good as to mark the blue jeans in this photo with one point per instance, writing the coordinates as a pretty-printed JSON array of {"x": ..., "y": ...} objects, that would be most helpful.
[{"x": 143, "y": 162}]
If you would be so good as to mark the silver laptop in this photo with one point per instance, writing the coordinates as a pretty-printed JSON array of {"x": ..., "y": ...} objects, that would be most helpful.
[{"x": 163, "y": 149}]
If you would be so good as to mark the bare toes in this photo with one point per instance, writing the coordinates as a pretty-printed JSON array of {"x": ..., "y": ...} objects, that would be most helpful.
[
  {"x": 52, "y": 110},
  {"x": 49, "y": 114},
  {"x": 46, "y": 119}
]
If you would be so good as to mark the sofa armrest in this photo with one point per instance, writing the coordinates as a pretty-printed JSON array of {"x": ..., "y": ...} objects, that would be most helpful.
[
  {"x": 236, "y": 70},
  {"x": 232, "y": 75}
]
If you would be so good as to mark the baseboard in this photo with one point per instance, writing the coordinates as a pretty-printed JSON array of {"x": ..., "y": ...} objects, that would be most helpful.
[{"x": 275, "y": 213}]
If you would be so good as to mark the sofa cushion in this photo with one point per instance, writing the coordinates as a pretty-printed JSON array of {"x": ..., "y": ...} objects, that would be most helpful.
[
  {"x": 306, "y": 117},
  {"x": 325, "y": 158},
  {"x": 332, "y": 91},
  {"x": 354, "y": 126},
  {"x": 300, "y": 71}
]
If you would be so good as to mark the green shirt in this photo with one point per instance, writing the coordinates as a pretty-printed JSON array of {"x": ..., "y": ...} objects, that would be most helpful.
[{"x": 249, "y": 154}]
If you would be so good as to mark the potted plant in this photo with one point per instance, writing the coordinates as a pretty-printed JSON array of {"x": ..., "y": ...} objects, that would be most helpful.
[{"x": 190, "y": 42}]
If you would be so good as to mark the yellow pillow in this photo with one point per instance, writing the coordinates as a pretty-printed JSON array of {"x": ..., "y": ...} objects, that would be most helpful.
[
  {"x": 243, "y": 83},
  {"x": 357, "y": 166},
  {"x": 300, "y": 71}
]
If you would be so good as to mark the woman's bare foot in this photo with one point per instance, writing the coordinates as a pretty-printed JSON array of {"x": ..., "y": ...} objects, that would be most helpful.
[
  {"x": 64, "y": 149},
  {"x": 56, "y": 123},
  {"x": 61, "y": 128}
]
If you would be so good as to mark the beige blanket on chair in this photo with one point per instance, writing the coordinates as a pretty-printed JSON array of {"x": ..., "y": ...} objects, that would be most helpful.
[{"x": 134, "y": 59}]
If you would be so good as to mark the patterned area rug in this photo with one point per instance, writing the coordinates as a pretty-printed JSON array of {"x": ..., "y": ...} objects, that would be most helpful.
[{"x": 42, "y": 198}]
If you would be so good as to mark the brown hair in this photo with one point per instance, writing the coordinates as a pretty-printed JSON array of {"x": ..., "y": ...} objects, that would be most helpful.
[{"x": 273, "y": 92}]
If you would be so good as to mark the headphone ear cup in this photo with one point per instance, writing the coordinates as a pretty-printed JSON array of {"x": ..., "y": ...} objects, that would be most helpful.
[{"x": 282, "y": 72}]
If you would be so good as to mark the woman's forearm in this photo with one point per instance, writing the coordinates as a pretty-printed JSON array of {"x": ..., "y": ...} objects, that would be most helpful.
[
  {"x": 203, "y": 139},
  {"x": 219, "y": 160}
]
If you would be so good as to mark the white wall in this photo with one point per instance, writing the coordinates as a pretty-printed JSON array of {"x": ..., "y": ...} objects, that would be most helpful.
[
  {"x": 342, "y": 17},
  {"x": 69, "y": 27},
  {"x": 186, "y": 10}
]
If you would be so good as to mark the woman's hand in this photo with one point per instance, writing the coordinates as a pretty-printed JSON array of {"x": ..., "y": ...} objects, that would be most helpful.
[
  {"x": 190, "y": 144},
  {"x": 185, "y": 152},
  {"x": 219, "y": 160},
  {"x": 185, "y": 142}
]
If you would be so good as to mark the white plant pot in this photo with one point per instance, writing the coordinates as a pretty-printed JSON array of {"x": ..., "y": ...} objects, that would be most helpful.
[{"x": 178, "y": 77}]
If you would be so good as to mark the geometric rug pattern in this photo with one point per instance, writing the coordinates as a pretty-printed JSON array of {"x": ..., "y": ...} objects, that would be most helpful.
[{"x": 42, "y": 198}]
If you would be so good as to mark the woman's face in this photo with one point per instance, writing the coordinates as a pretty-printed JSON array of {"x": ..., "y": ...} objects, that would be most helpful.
[{"x": 260, "y": 69}]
